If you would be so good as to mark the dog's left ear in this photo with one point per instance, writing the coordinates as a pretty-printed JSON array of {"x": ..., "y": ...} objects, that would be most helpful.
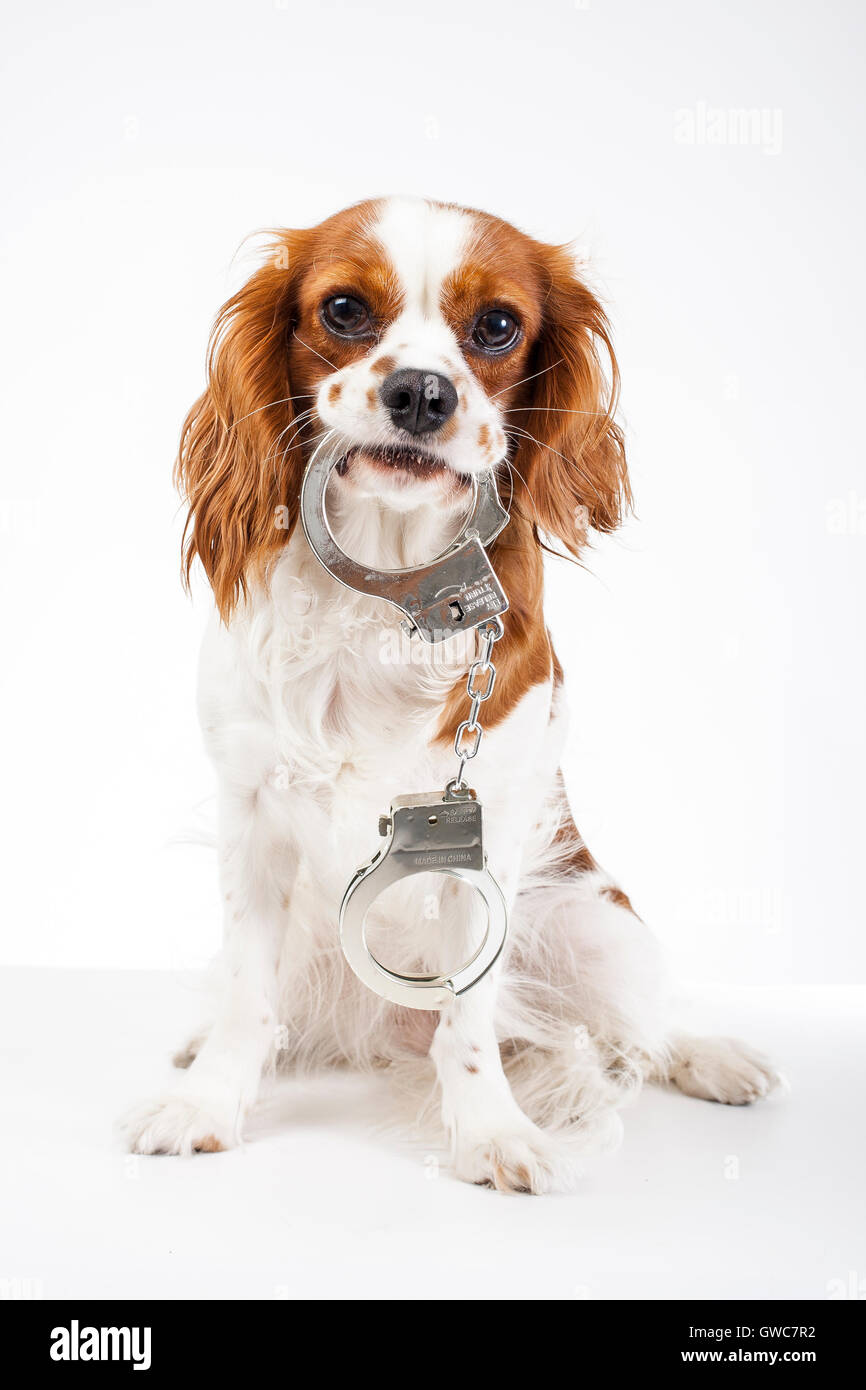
[{"x": 575, "y": 466}]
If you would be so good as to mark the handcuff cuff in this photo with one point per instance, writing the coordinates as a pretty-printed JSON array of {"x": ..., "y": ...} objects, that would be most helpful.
[{"x": 438, "y": 832}]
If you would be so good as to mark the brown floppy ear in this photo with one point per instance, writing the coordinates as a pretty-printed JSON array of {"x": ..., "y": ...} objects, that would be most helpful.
[
  {"x": 236, "y": 467},
  {"x": 575, "y": 467}
]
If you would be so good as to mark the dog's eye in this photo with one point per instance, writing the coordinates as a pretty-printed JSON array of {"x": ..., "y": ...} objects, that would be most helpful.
[
  {"x": 495, "y": 330},
  {"x": 346, "y": 315}
]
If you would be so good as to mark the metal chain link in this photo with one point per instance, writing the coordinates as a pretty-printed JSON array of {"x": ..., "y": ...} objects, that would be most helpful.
[{"x": 471, "y": 728}]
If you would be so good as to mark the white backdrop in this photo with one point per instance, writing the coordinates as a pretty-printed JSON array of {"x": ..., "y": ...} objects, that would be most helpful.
[{"x": 709, "y": 159}]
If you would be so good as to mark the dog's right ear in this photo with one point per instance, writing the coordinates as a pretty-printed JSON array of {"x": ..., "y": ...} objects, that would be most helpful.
[{"x": 235, "y": 466}]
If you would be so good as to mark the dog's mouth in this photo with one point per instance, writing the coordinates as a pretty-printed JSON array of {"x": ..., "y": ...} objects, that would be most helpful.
[{"x": 402, "y": 463}]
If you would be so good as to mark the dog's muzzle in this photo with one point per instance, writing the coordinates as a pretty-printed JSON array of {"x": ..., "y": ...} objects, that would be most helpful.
[{"x": 456, "y": 591}]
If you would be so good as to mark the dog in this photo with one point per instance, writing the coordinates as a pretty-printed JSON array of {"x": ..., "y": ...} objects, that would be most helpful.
[{"x": 437, "y": 345}]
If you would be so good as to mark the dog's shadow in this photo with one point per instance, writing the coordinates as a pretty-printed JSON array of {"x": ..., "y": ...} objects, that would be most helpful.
[{"x": 363, "y": 1106}]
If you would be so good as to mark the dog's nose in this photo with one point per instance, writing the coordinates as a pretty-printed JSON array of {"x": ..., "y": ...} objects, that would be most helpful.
[{"x": 418, "y": 401}]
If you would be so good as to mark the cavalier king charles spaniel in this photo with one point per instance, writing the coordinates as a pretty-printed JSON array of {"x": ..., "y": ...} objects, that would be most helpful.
[{"x": 317, "y": 711}]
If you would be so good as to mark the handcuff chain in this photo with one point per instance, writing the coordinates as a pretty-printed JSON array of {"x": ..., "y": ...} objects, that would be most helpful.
[{"x": 471, "y": 728}]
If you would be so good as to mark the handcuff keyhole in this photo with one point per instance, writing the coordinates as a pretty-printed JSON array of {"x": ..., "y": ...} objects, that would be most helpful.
[
  {"x": 432, "y": 820},
  {"x": 456, "y": 611}
]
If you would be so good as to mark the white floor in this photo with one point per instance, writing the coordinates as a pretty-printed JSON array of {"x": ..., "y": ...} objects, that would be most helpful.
[{"x": 702, "y": 1200}]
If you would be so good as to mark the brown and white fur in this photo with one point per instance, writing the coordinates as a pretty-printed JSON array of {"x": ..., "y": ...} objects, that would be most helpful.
[{"x": 315, "y": 714}]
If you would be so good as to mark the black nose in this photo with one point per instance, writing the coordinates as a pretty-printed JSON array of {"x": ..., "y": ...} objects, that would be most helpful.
[{"x": 418, "y": 401}]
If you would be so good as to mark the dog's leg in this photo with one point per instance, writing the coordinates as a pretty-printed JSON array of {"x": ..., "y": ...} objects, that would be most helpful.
[
  {"x": 493, "y": 1142},
  {"x": 598, "y": 1020},
  {"x": 623, "y": 976},
  {"x": 186, "y": 1055},
  {"x": 204, "y": 1109}
]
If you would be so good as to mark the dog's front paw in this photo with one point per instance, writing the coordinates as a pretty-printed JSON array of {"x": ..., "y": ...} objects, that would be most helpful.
[
  {"x": 177, "y": 1124},
  {"x": 522, "y": 1160},
  {"x": 723, "y": 1069}
]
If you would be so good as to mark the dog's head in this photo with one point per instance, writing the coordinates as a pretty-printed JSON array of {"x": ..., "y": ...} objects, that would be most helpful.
[{"x": 435, "y": 342}]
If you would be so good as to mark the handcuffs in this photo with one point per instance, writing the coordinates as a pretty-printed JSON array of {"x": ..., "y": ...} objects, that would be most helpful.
[{"x": 439, "y": 832}]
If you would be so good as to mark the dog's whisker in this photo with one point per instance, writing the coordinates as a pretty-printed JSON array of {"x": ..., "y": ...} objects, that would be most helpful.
[
  {"x": 293, "y": 424},
  {"x": 554, "y": 410},
  {"x": 512, "y": 470},
  {"x": 299, "y": 423},
  {"x": 288, "y": 449},
  {"x": 514, "y": 385},
  {"x": 525, "y": 434},
  {"x": 284, "y": 400},
  {"x": 333, "y": 365}
]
